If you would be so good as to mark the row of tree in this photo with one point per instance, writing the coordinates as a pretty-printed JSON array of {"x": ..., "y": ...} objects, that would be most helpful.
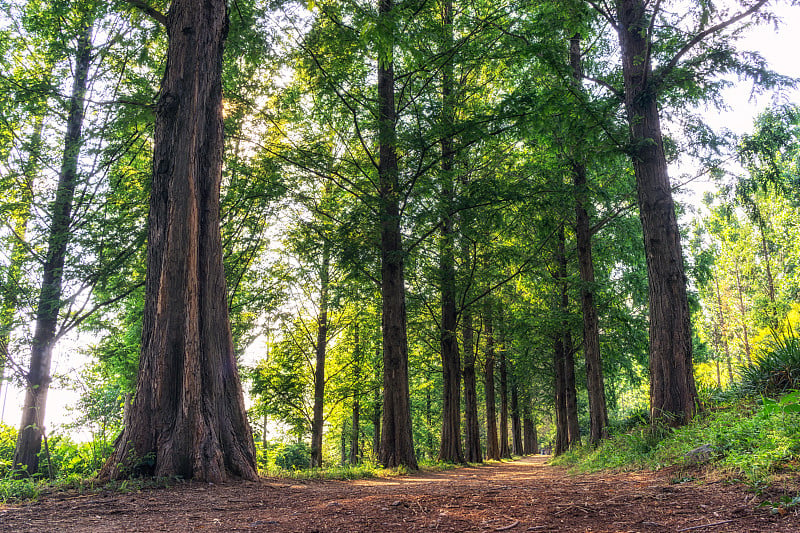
[{"x": 403, "y": 197}]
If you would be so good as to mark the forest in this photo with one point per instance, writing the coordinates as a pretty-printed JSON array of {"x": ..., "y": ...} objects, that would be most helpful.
[{"x": 278, "y": 235}]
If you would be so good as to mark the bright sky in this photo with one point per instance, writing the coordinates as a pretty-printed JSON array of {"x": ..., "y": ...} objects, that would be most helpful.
[{"x": 781, "y": 49}]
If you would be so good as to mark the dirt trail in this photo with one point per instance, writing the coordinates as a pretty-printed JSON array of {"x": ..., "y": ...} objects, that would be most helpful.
[{"x": 526, "y": 495}]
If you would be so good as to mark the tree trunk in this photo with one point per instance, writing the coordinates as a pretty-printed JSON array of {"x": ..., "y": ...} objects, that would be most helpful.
[
  {"x": 397, "y": 446},
  {"x": 376, "y": 416},
  {"x": 505, "y": 451},
  {"x": 188, "y": 417},
  {"x": 450, "y": 449},
  {"x": 492, "y": 447},
  {"x": 356, "y": 429},
  {"x": 723, "y": 330},
  {"x": 560, "y": 396},
  {"x": 672, "y": 388},
  {"x": 472, "y": 435},
  {"x": 595, "y": 385},
  {"x": 320, "y": 352},
  {"x": 530, "y": 440},
  {"x": 570, "y": 426},
  {"x": 517, "y": 447},
  {"x": 743, "y": 312},
  {"x": 37, "y": 380}
]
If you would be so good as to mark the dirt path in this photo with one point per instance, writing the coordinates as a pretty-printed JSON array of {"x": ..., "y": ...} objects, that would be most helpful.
[{"x": 526, "y": 495}]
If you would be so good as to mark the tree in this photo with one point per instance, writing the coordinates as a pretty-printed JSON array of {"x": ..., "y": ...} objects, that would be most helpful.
[
  {"x": 37, "y": 380},
  {"x": 188, "y": 417},
  {"x": 673, "y": 393},
  {"x": 397, "y": 447}
]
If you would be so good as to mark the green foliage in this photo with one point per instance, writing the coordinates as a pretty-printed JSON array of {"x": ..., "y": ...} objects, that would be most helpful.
[
  {"x": 747, "y": 442},
  {"x": 295, "y": 456},
  {"x": 776, "y": 372}
]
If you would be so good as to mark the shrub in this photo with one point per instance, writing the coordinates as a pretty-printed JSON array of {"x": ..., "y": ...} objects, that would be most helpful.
[
  {"x": 776, "y": 372},
  {"x": 293, "y": 456}
]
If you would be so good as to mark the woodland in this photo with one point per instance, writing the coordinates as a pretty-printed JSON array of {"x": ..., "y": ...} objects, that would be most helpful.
[{"x": 287, "y": 235}]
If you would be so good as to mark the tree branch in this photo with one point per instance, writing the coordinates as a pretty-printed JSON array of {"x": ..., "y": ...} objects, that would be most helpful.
[{"x": 149, "y": 10}]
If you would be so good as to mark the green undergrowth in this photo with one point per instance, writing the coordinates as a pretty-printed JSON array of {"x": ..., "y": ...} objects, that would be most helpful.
[{"x": 750, "y": 441}]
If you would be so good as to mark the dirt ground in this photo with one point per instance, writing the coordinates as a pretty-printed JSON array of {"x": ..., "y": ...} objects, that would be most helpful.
[{"x": 526, "y": 495}]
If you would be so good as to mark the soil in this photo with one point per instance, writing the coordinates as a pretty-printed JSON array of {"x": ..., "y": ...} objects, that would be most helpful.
[{"x": 525, "y": 495}]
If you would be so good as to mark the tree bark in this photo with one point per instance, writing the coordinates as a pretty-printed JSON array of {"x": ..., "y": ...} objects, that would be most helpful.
[
  {"x": 595, "y": 385},
  {"x": 571, "y": 429},
  {"x": 397, "y": 446},
  {"x": 492, "y": 446},
  {"x": 188, "y": 417},
  {"x": 320, "y": 353},
  {"x": 472, "y": 437},
  {"x": 37, "y": 380},
  {"x": 450, "y": 449},
  {"x": 672, "y": 388}
]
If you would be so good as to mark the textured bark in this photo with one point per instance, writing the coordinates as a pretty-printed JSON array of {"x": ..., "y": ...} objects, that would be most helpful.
[
  {"x": 450, "y": 449},
  {"x": 321, "y": 348},
  {"x": 595, "y": 384},
  {"x": 672, "y": 388},
  {"x": 472, "y": 437},
  {"x": 37, "y": 380},
  {"x": 397, "y": 446},
  {"x": 492, "y": 446},
  {"x": 188, "y": 417}
]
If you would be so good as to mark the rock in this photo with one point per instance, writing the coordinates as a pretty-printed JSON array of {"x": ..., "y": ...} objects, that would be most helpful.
[{"x": 700, "y": 455}]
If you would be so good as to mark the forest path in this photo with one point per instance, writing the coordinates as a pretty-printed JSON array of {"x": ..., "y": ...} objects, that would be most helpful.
[{"x": 525, "y": 495}]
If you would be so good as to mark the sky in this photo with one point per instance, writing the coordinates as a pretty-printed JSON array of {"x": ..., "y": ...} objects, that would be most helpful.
[{"x": 781, "y": 49}]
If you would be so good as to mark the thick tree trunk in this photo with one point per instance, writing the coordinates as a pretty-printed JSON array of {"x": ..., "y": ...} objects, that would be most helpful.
[
  {"x": 37, "y": 380},
  {"x": 505, "y": 451},
  {"x": 450, "y": 449},
  {"x": 492, "y": 446},
  {"x": 472, "y": 437},
  {"x": 397, "y": 446},
  {"x": 672, "y": 387},
  {"x": 188, "y": 417},
  {"x": 319, "y": 367},
  {"x": 595, "y": 385}
]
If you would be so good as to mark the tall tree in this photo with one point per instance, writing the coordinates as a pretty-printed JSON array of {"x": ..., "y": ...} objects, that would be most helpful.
[
  {"x": 397, "y": 446},
  {"x": 673, "y": 393},
  {"x": 595, "y": 386},
  {"x": 37, "y": 380},
  {"x": 188, "y": 417},
  {"x": 450, "y": 449}
]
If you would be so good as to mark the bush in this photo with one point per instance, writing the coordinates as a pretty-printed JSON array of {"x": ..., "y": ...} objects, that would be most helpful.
[
  {"x": 776, "y": 372},
  {"x": 295, "y": 456}
]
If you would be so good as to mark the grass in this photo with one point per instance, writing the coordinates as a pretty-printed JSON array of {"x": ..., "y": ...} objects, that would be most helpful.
[{"x": 748, "y": 443}]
